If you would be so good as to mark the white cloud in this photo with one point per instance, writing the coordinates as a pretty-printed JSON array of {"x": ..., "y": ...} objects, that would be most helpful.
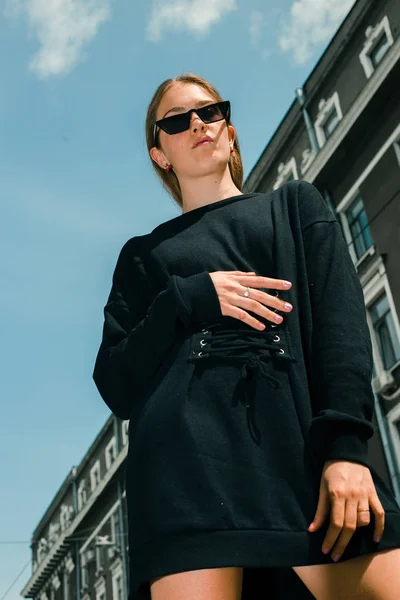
[
  {"x": 194, "y": 16},
  {"x": 62, "y": 27},
  {"x": 256, "y": 26},
  {"x": 312, "y": 23}
]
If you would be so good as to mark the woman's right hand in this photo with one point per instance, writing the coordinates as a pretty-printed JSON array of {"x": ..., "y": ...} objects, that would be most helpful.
[{"x": 230, "y": 286}]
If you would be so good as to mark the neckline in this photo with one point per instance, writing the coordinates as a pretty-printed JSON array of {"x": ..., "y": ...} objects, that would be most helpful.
[{"x": 206, "y": 208}]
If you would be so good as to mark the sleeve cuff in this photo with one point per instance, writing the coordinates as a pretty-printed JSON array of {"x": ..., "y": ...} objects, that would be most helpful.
[
  {"x": 348, "y": 447},
  {"x": 197, "y": 298}
]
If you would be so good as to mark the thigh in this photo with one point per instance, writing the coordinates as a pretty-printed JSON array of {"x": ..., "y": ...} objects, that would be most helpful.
[
  {"x": 203, "y": 584},
  {"x": 369, "y": 577}
]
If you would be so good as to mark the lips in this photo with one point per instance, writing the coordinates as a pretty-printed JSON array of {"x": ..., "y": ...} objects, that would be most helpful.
[{"x": 202, "y": 140}]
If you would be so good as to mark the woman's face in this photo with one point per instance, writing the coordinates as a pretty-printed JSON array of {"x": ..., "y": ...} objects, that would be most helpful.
[{"x": 179, "y": 150}]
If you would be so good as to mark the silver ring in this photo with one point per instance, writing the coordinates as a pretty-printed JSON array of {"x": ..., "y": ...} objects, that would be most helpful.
[{"x": 246, "y": 293}]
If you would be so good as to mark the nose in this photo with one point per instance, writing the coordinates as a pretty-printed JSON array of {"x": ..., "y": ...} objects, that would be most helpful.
[{"x": 196, "y": 123}]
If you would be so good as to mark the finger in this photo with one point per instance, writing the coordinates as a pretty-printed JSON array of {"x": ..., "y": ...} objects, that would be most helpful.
[
  {"x": 363, "y": 517},
  {"x": 336, "y": 524},
  {"x": 379, "y": 513},
  {"x": 253, "y": 305},
  {"x": 267, "y": 282},
  {"x": 261, "y": 303},
  {"x": 322, "y": 509},
  {"x": 242, "y": 315},
  {"x": 349, "y": 527}
]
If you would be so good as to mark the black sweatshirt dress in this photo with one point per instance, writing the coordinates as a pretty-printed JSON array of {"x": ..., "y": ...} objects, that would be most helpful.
[{"x": 229, "y": 426}]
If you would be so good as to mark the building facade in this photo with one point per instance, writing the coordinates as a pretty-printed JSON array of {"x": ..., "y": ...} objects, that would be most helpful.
[
  {"x": 342, "y": 133},
  {"x": 79, "y": 548}
]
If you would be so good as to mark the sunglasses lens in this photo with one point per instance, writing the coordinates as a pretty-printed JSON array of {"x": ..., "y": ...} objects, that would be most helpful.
[
  {"x": 210, "y": 114},
  {"x": 175, "y": 124}
]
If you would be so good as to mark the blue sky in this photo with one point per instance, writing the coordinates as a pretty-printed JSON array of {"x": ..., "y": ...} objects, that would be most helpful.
[{"x": 76, "y": 183}]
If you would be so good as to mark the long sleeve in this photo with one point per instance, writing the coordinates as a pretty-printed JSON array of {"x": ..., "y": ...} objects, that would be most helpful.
[
  {"x": 341, "y": 344},
  {"x": 134, "y": 343}
]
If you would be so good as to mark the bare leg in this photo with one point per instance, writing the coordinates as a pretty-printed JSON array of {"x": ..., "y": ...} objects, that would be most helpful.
[
  {"x": 371, "y": 577},
  {"x": 202, "y": 584}
]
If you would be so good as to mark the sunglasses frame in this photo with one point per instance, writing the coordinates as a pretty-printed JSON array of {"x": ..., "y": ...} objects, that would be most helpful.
[{"x": 187, "y": 115}]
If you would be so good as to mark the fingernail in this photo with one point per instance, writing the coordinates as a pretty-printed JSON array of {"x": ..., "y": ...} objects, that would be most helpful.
[
  {"x": 325, "y": 550},
  {"x": 287, "y": 284},
  {"x": 378, "y": 539},
  {"x": 336, "y": 557}
]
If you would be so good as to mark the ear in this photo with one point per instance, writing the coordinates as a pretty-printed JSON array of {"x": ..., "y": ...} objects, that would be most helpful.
[
  {"x": 159, "y": 157},
  {"x": 231, "y": 133}
]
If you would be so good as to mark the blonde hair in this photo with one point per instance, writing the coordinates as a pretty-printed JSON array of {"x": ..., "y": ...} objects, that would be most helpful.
[{"x": 169, "y": 179}]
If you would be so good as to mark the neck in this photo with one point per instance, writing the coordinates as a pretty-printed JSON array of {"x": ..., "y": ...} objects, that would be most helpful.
[{"x": 207, "y": 189}]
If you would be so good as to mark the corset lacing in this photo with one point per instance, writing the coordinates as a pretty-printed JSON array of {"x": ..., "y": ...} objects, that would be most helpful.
[{"x": 214, "y": 343}]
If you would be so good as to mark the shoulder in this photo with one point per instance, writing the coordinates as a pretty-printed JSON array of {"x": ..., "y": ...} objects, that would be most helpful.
[
  {"x": 129, "y": 258},
  {"x": 306, "y": 200}
]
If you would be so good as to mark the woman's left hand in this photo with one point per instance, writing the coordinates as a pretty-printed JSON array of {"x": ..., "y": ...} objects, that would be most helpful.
[{"x": 345, "y": 487}]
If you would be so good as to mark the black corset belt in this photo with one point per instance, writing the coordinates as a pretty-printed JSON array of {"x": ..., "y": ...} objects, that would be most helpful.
[{"x": 250, "y": 347}]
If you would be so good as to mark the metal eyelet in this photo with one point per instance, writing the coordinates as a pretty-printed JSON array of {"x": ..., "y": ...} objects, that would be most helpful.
[
  {"x": 277, "y": 338},
  {"x": 274, "y": 325},
  {"x": 281, "y": 351},
  {"x": 204, "y": 331},
  {"x": 203, "y": 343},
  {"x": 199, "y": 354}
]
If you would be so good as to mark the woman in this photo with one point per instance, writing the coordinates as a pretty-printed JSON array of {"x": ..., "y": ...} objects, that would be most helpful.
[{"x": 245, "y": 426}]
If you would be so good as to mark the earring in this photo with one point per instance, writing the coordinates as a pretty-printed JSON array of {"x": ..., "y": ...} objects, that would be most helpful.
[
  {"x": 169, "y": 168},
  {"x": 232, "y": 149}
]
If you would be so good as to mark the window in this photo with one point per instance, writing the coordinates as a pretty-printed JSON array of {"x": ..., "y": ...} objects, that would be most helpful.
[
  {"x": 111, "y": 452},
  {"x": 393, "y": 418},
  {"x": 306, "y": 160},
  {"x": 42, "y": 549},
  {"x": 115, "y": 529},
  {"x": 56, "y": 582},
  {"x": 385, "y": 332},
  {"x": 359, "y": 228},
  {"x": 66, "y": 514},
  {"x": 377, "y": 43},
  {"x": 397, "y": 150},
  {"x": 328, "y": 117},
  {"x": 82, "y": 494},
  {"x": 95, "y": 476},
  {"x": 84, "y": 577},
  {"x": 330, "y": 124},
  {"x": 117, "y": 582},
  {"x": 125, "y": 432},
  {"x": 118, "y": 593},
  {"x": 286, "y": 172},
  {"x": 99, "y": 560},
  {"x": 397, "y": 425}
]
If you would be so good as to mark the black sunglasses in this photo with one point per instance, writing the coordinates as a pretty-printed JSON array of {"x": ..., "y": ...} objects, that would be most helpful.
[{"x": 208, "y": 114}]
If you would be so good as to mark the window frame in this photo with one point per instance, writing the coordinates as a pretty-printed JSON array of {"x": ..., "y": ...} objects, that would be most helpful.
[
  {"x": 393, "y": 416},
  {"x": 112, "y": 444},
  {"x": 96, "y": 467},
  {"x": 373, "y": 35},
  {"x": 82, "y": 491},
  {"x": 117, "y": 571},
  {"x": 284, "y": 172},
  {"x": 325, "y": 108},
  {"x": 125, "y": 432}
]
